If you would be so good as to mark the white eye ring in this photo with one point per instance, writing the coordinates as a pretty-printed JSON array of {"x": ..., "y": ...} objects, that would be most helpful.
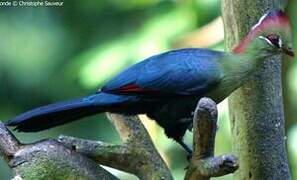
[
  {"x": 266, "y": 39},
  {"x": 280, "y": 42}
]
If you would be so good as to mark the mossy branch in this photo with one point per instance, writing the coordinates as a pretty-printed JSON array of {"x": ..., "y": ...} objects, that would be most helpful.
[
  {"x": 47, "y": 159},
  {"x": 74, "y": 158}
]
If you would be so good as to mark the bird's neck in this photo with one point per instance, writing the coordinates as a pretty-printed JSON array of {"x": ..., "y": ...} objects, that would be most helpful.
[
  {"x": 237, "y": 68},
  {"x": 241, "y": 64},
  {"x": 249, "y": 57}
]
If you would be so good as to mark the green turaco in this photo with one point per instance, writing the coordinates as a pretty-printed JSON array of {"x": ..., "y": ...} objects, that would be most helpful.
[{"x": 167, "y": 87}]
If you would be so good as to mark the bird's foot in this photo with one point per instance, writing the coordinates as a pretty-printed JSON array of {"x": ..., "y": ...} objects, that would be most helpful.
[
  {"x": 190, "y": 127},
  {"x": 189, "y": 157},
  {"x": 186, "y": 148}
]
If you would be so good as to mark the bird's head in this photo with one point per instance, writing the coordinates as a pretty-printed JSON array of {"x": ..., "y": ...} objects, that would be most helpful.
[{"x": 270, "y": 36}]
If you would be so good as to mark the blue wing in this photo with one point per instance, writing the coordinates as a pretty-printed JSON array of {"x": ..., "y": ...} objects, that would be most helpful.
[{"x": 184, "y": 72}]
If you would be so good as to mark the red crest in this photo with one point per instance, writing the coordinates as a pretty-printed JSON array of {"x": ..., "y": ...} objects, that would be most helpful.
[{"x": 275, "y": 18}]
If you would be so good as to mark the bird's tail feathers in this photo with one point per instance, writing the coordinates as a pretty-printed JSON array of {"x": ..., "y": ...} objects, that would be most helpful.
[{"x": 63, "y": 112}]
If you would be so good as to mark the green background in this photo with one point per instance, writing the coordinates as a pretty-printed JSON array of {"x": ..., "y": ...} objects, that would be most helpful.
[{"x": 49, "y": 54}]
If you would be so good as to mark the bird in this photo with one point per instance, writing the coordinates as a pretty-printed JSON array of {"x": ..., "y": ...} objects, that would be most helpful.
[{"x": 166, "y": 87}]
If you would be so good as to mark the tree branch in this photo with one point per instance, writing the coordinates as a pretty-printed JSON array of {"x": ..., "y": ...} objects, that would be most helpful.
[
  {"x": 136, "y": 155},
  {"x": 9, "y": 145},
  {"x": 47, "y": 159},
  {"x": 68, "y": 157},
  {"x": 203, "y": 165}
]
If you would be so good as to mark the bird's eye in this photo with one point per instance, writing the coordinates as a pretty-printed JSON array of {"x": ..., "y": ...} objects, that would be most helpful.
[{"x": 274, "y": 40}]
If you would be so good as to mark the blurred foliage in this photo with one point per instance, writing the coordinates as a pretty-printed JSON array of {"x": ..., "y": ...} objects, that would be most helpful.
[{"x": 52, "y": 54}]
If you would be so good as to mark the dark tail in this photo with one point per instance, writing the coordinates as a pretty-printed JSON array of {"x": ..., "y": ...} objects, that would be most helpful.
[{"x": 63, "y": 112}]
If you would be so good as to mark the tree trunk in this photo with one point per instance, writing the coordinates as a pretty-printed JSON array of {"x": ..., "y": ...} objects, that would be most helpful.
[{"x": 256, "y": 109}]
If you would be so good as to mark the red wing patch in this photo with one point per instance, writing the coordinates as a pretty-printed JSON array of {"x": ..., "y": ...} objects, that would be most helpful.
[{"x": 133, "y": 88}]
